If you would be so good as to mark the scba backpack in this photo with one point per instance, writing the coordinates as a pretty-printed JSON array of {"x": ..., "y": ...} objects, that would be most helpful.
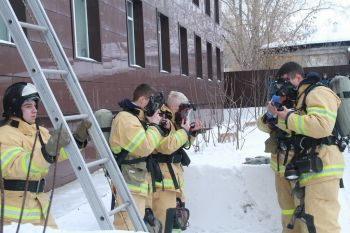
[
  {"x": 104, "y": 118},
  {"x": 341, "y": 86}
]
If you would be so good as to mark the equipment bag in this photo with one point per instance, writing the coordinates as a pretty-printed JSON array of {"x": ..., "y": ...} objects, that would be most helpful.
[
  {"x": 104, "y": 119},
  {"x": 177, "y": 218}
]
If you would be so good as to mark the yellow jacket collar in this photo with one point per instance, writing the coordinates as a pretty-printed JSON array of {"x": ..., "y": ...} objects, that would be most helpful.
[{"x": 23, "y": 126}]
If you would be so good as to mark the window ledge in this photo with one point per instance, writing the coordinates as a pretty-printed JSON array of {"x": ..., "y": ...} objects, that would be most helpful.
[
  {"x": 5, "y": 42},
  {"x": 135, "y": 66},
  {"x": 210, "y": 80},
  {"x": 164, "y": 71},
  {"x": 86, "y": 59},
  {"x": 184, "y": 75},
  {"x": 199, "y": 78}
]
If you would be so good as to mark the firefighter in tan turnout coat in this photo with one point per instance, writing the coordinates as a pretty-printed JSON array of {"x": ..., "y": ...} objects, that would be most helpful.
[
  {"x": 312, "y": 123},
  {"x": 17, "y": 137},
  {"x": 171, "y": 158},
  {"x": 134, "y": 139}
]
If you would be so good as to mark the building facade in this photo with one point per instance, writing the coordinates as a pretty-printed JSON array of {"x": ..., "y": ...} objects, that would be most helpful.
[{"x": 114, "y": 45}]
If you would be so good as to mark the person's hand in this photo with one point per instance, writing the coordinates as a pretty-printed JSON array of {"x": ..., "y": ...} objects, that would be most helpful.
[
  {"x": 155, "y": 119},
  {"x": 185, "y": 125},
  {"x": 271, "y": 108},
  {"x": 81, "y": 133},
  {"x": 284, "y": 113},
  {"x": 166, "y": 123},
  {"x": 60, "y": 137},
  {"x": 196, "y": 125}
]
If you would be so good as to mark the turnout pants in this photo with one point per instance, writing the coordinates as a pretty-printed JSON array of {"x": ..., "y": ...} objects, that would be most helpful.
[
  {"x": 163, "y": 200},
  {"x": 287, "y": 203},
  {"x": 122, "y": 220},
  {"x": 321, "y": 201}
]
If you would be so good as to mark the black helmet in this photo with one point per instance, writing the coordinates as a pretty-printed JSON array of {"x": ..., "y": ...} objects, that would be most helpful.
[{"x": 14, "y": 97}]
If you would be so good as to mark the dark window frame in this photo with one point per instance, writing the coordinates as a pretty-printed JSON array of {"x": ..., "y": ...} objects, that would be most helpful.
[
  {"x": 20, "y": 11},
  {"x": 210, "y": 60},
  {"x": 195, "y": 2},
  {"x": 138, "y": 34},
  {"x": 218, "y": 63},
  {"x": 217, "y": 11},
  {"x": 93, "y": 31},
  {"x": 164, "y": 52},
  {"x": 207, "y": 7},
  {"x": 198, "y": 56},
  {"x": 183, "y": 50}
]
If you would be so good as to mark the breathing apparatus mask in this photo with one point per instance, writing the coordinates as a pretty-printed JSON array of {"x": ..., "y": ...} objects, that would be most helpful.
[
  {"x": 281, "y": 93},
  {"x": 283, "y": 88},
  {"x": 183, "y": 112},
  {"x": 155, "y": 102}
]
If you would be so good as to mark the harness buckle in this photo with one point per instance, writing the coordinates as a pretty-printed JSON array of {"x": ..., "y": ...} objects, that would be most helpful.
[{"x": 42, "y": 181}]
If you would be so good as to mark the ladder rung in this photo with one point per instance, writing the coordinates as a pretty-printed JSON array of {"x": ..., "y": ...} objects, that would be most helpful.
[
  {"x": 119, "y": 208},
  {"x": 97, "y": 162},
  {"x": 33, "y": 26},
  {"x": 53, "y": 71},
  {"x": 76, "y": 117}
]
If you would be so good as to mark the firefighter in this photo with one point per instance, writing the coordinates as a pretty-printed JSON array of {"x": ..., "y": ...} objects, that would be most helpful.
[
  {"x": 131, "y": 140},
  {"x": 279, "y": 144},
  {"x": 171, "y": 157},
  {"x": 317, "y": 165},
  {"x": 17, "y": 137}
]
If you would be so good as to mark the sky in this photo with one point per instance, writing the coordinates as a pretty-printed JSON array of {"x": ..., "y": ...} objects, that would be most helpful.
[{"x": 223, "y": 194}]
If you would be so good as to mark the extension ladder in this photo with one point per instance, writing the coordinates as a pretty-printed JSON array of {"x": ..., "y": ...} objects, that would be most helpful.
[{"x": 65, "y": 70}]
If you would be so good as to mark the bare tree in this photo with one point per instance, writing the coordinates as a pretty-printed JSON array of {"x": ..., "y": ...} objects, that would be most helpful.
[{"x": 251, "y": 25}]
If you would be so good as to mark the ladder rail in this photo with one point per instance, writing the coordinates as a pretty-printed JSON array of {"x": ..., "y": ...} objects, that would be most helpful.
[
  {"x": 51, "y": 106},
  {"x": 57, "y": 118},
  {"x": 81, "y": 102}
]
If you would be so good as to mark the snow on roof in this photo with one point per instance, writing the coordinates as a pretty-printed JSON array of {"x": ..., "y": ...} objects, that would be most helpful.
[{"x": 330, "y": 26}]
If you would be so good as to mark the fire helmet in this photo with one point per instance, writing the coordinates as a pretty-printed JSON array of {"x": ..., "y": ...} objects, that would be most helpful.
[{"x": 15, "y": 95}]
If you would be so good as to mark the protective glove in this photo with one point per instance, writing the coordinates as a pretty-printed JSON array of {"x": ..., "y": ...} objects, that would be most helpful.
[
  {"x": 60, "y": 137},
  {"x": 81, "y": 133}
]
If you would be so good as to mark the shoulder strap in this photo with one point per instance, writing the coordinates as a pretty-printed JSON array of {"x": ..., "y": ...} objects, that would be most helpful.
[
  {"x": 134, "y": 113},
  {"x": 307, "y": 91}
]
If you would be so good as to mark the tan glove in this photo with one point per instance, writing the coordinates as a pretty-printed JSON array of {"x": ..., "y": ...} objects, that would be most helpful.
[
  {"x": 81, "y": 133},
  {"x": 51, "y": 145}
]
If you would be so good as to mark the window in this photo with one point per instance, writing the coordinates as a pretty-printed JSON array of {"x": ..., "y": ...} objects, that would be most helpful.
[
  {"x": 87, "y": 29},
  {"x": 20, "y": 11},
  {"x": 136, "y": 46},
  {"x": 207, "y": 7},
  {"x": 196, "y": 2},
  {"x": 209, "y": 61},
  {"x": 164, "y": 43},
  {"x": 4, "y": 34},
  {"x": 198, "y": 50},
  {"x": 183, "y": 50},
  {"x": 218, "y": 63},
  {"x": 217, "y": 11}
]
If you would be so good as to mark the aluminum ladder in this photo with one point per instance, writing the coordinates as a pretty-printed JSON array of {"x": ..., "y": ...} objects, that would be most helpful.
[{"x": 65, "y": 70}]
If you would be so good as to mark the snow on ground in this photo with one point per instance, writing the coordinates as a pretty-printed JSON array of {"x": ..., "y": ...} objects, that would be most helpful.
[{"x": 223, "y": 195}]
